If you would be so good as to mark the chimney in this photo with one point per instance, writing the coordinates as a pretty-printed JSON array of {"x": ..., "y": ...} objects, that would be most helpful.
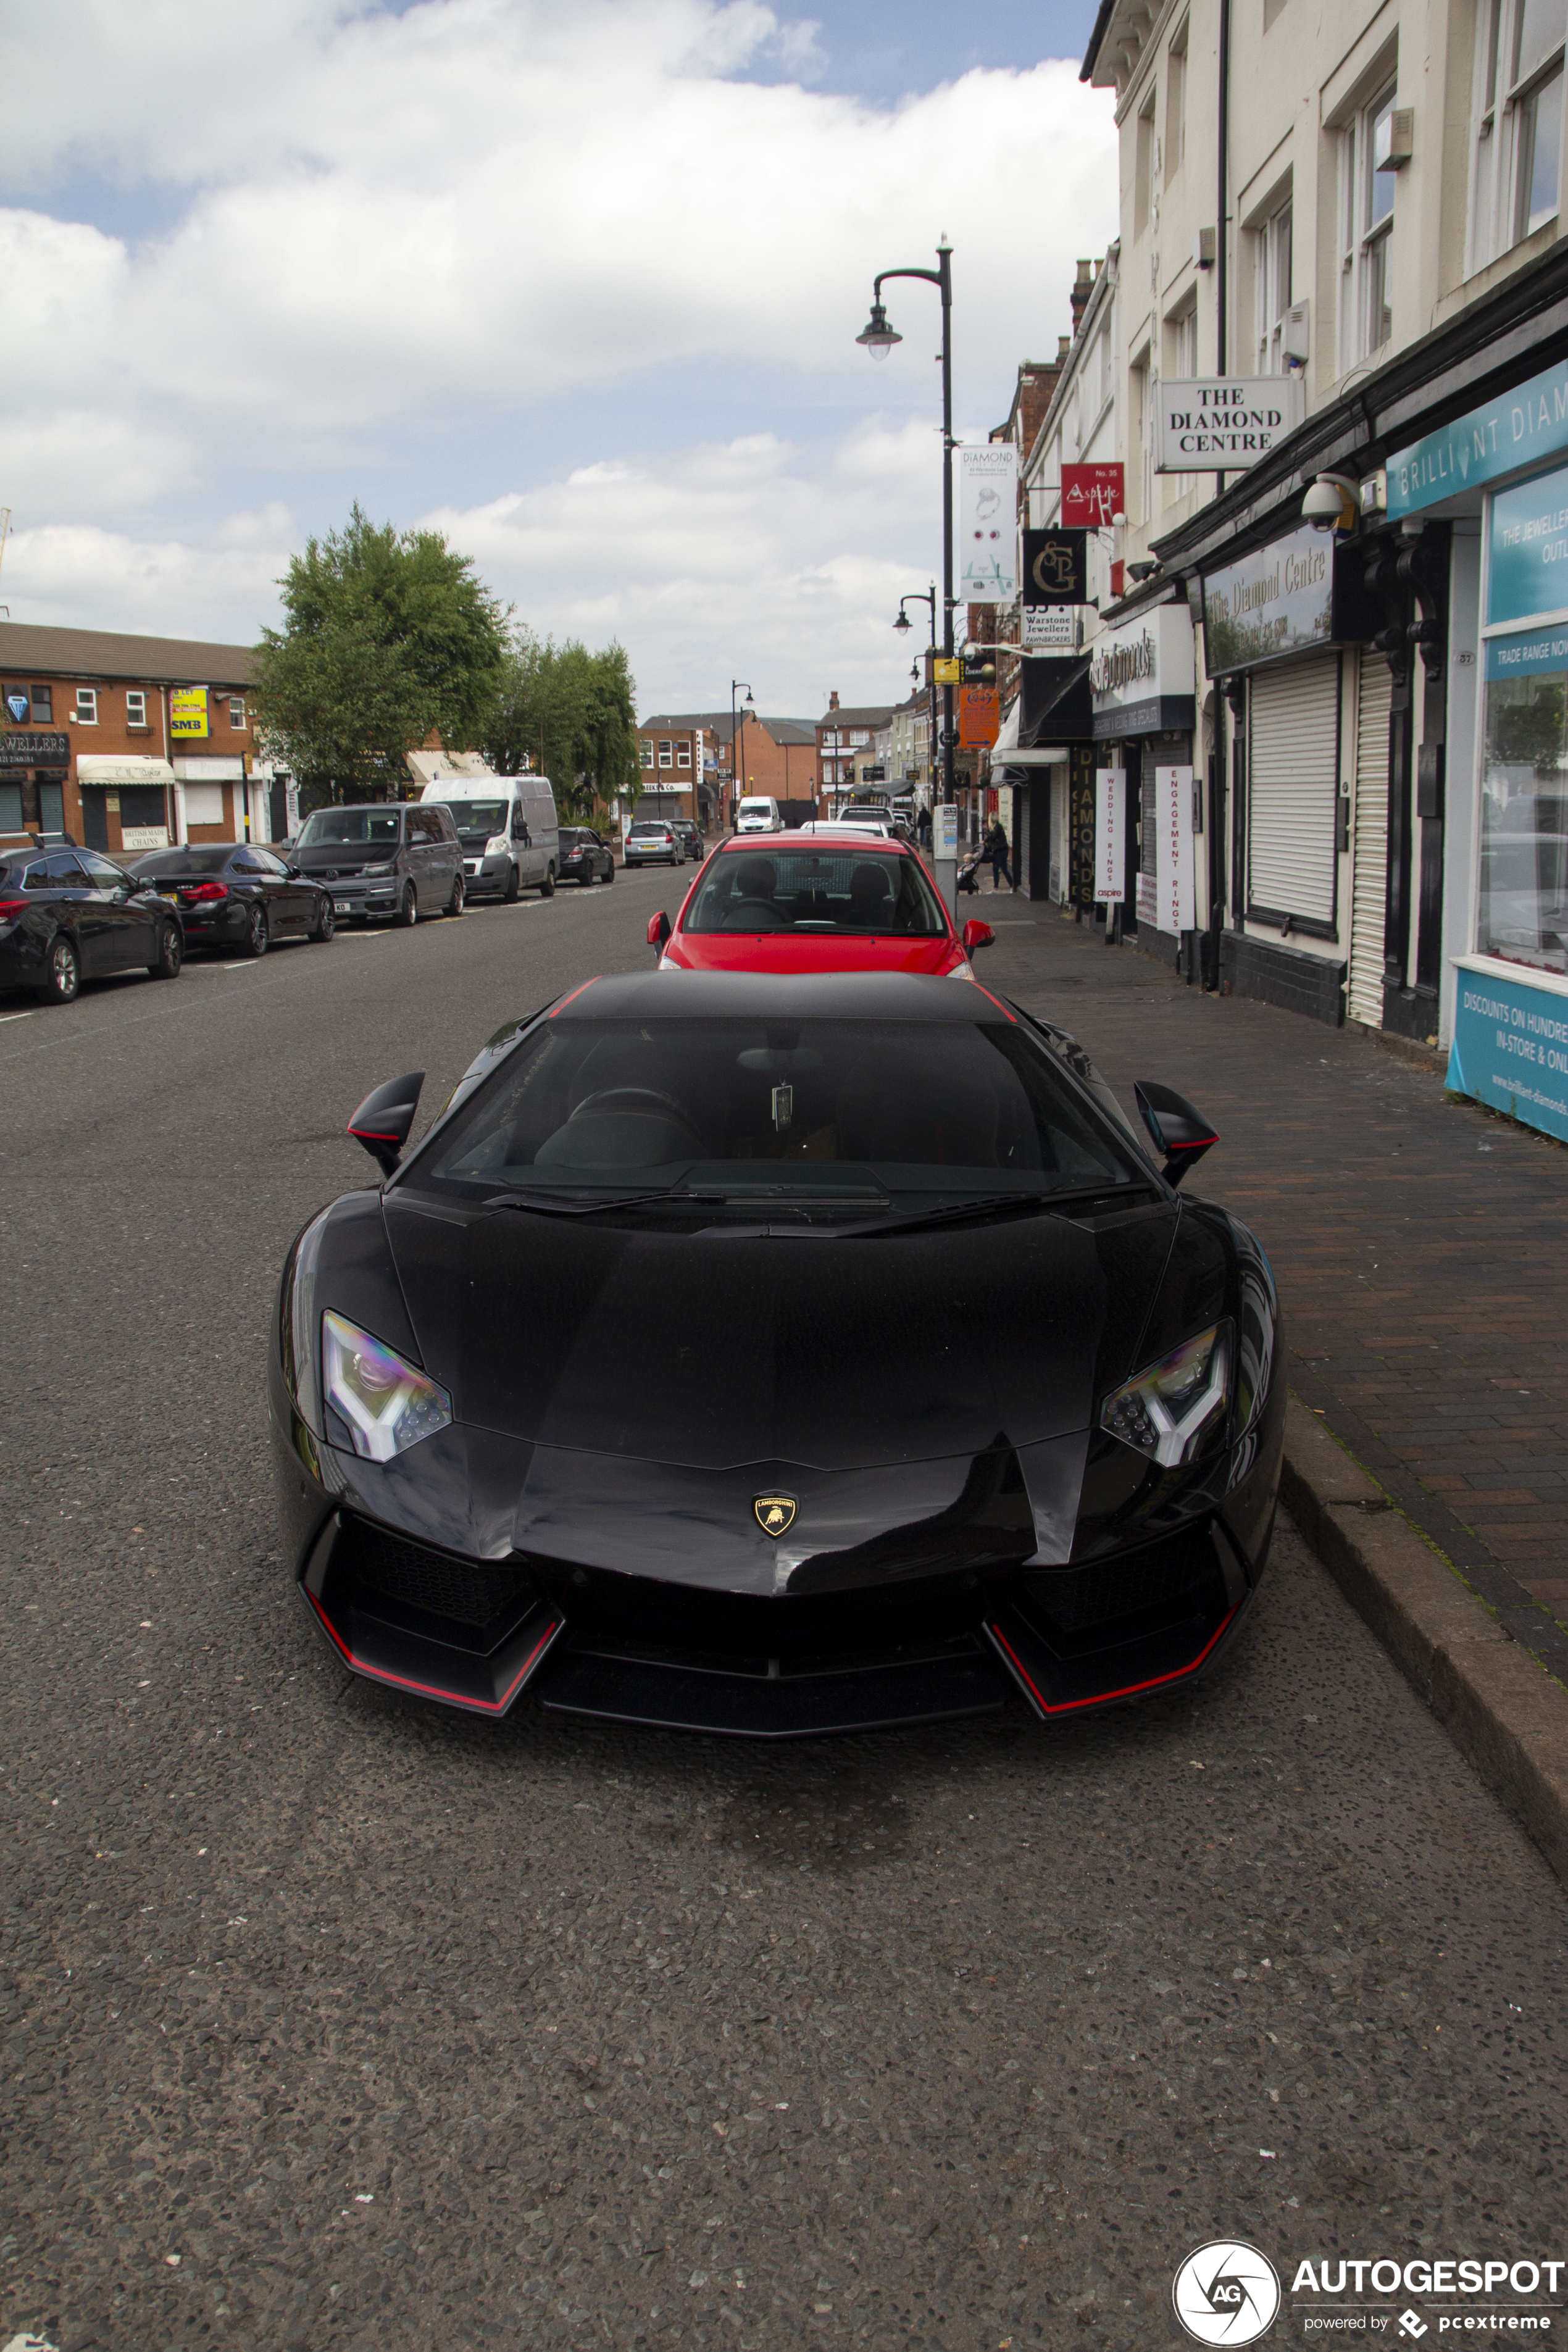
[
  {"x": 1083, "y": 287},
  {"x": 832, "y": 699},
  {"x": 1064, "y": 345}
]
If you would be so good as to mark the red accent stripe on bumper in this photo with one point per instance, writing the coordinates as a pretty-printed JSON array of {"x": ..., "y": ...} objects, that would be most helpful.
[
  {"x": 1099, "y": 1698},
  {"x": 433, "y": 1690}
]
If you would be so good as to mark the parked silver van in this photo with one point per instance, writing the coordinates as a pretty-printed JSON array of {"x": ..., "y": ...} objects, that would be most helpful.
[{"x": 509, "y": 830}]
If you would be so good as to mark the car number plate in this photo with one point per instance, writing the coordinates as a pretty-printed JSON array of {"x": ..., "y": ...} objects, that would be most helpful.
[
  {"x": 342, "y": 905},
  {"x": 173, "y": 896}
]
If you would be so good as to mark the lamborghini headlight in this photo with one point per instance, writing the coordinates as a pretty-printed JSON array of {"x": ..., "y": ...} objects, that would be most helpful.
[
  {"x": 388, "y": 1404},
  {"x": 1164, "y": 1410}
]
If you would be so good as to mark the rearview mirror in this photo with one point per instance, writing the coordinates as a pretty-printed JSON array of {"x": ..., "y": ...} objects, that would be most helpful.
[
  {"x": 658, "y": 930},
  {"x": 383, "y": 1119},
  {"x": 1181, "y": 1135},
  {"x": 977, "y": 934}
]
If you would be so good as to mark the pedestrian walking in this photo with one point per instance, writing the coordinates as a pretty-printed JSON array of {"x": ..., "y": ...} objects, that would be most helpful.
[
  {"x": 922, "y": 828},
  {"x": 996, "y": 854}
]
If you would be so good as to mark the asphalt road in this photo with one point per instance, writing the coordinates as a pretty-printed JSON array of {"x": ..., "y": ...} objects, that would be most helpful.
[{"x": 332, "y": 2020}]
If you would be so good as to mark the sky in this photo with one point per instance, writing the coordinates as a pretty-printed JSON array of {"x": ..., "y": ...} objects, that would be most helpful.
[{"x": 577, "y": 284}]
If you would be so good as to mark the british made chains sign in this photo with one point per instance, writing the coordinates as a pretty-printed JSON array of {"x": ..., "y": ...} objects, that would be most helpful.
[{"x": 1204, "y": 427}]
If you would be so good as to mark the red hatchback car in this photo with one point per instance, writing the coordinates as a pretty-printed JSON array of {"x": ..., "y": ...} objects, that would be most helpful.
[{"x": 812, "y": 903}]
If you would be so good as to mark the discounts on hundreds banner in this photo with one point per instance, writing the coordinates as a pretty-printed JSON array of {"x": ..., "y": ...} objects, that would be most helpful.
[
  {"x": 1174, "y": 893},
  {"x": 1110, "y": 836},
  {"x": 988, "y": 523}
]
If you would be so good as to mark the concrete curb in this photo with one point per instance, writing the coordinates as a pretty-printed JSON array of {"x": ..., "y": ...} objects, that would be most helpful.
[{"x": 1503, "y": 1712}]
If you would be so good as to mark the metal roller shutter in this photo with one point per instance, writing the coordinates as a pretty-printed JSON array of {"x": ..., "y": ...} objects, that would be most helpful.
[
  {"x": 1371, "y": 870},
  {"x": 1294, "y": 724}
]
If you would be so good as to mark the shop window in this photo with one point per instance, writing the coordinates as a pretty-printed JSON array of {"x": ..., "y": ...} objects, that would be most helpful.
[
  {"x": 1367, "y": 232},
  {"x": 1271, "y": 281},
  {"x": 236, "y": 713},
  {"x": 1516, "y": 165},
  {"x": 42, "y": 704},
  {"x": 135, "y": 708},
  {"x": 86, "y": 711},
  {"x": 10, "y": 808}
]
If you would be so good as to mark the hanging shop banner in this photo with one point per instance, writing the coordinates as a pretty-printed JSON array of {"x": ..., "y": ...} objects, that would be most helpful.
[
  {"x": 1208, "y": 427},
  {"x": 188, "y": 712},
  {"x": 1278, "y": 600},
  {"x": 988, "y": 522},
  {"x": 1175, "y": 908},
  {"x": 1530, "y": 422},
  {"x": 1110, "y": 836},
  {"x": 1093, "y": 496},
  {"x": 1054, "y": 626},
  {"x": 979, "y": 716},
  {"x": 1056, "y": 567}
]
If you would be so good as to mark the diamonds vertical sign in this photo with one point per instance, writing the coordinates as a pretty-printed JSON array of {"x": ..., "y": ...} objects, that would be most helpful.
[
  {"x": 1174, "y": 890},
  {"x": 1110, "y": 836}
]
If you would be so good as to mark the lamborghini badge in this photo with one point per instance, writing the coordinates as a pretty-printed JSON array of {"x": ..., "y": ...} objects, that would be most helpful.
[{"x": 776, "y": 1513}]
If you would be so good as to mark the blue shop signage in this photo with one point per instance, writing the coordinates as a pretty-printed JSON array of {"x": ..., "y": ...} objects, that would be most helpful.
[
  {"x": 1510, "y": 1046},
  {"x": 1530, "y": 422},
  {"x": 1529, "y": 568}
]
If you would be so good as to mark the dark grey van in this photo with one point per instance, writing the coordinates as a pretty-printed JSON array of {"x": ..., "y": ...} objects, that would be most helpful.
[{"x": 399, "y": 859}]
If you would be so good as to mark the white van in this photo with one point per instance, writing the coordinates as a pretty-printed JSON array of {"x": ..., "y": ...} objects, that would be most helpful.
[
  {"x": 754, "y": 814},
  {"x": 509, "y": 830}
]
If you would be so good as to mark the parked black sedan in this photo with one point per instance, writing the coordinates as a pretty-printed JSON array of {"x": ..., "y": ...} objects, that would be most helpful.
[
  {"x": 772, "y": 1356},
  {"x": 68, "y": 914},
  {"x": 585, "y": 856},
  {"x": 238, "y": 895}
]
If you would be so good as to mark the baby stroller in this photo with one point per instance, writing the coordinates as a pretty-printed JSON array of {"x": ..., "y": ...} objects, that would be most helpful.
[{"x": 969, "y": 873}]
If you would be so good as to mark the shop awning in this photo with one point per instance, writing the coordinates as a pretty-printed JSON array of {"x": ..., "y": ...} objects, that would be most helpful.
[
  {"x": 103, "y": 768},
  {"x": 208, "y": 768},
  {"x": 1037, "y": 755}
]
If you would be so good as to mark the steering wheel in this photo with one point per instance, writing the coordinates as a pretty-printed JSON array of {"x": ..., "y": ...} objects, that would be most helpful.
[
  {"x": 754, "y": 915},
  {"x": 633, "y": 1098}
]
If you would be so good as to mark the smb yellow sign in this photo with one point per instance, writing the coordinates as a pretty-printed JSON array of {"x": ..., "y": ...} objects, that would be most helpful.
[{"x": 187, "y": 711}]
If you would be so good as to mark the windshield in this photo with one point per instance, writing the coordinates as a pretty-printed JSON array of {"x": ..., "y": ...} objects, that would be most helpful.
[
  {"x": 211, "y": 860},
  {"x": 479, "y": 816},
  {"x": 824, "y": 889},
  {"x": 362, "y": 827},
  {"x": 797, "y": 1113},
  {"x": 657, "y": 828}
]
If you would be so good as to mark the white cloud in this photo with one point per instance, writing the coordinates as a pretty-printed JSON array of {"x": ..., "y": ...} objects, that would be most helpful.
[{"x": 405, "y": 232}]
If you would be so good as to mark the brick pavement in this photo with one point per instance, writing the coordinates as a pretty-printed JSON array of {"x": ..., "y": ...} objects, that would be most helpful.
[{"x": 1418, "y": 1243}]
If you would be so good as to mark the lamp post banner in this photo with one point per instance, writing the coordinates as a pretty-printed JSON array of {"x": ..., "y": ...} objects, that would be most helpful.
[
  {"x": 1174, "y": 892},
  {"x": 1110, "y": 823},
  {"x": 988, "y": 523}
]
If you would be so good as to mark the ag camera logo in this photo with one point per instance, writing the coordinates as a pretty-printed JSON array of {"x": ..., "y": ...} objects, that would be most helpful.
[{"x": 1226, "y": 2293}]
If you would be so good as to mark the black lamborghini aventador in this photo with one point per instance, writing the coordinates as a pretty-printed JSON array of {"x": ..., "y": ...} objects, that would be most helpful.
[{"x": 776, "y": 1357}]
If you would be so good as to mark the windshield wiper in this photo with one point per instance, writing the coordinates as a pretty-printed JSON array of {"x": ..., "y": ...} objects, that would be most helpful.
[
  {"x": 985, "y": 1204},
  {"x": 554, "y": 1204}
]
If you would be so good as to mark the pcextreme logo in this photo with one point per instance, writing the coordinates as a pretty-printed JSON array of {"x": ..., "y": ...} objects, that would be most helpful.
[{"x": 1226, "y": 2293}]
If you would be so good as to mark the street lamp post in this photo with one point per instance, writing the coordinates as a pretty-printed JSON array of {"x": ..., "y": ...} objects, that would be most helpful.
[
  {"x": 735, "y": 769},
  {"x": 879, "y": 338},
  {"x": 922, "y": 596}
]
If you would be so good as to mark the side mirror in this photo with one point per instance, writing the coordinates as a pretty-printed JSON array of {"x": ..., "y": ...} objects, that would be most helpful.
[
  {"x": 293, "y": 871},
  {"x": 658, "y": 930},
  {"x": 382, "y": 1120},
  {"x": 1181, "y": 1135},
  {"x": 977, "y": 934}
]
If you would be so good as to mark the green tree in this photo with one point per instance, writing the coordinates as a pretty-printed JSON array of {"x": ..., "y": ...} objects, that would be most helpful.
[
  {"x": 388, "y": 637},
  {"x": 568, "y": 712}
]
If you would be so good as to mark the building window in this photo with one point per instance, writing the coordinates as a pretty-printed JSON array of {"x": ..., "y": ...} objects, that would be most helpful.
[
  {"x": 1144, "y": 165},
  {"x": 237, "y": 712},
  {"x": 1182, "y": 343},
  {"x": 135, "y": 708},
  {"x": 1367, "y": 217},
  {"x": 43, "y": 703},
  {"x": 859, "y": 737},
  {"x": 1176, "y": 102},
  {"x": 667, "y": 755},
  {"x": 683, "y": 755},
  {"x": 1138, "y": 426},
  {"x": 1517, "y": 160},
  {"x": 646, "y": 747},
  {"x": 1272, "y": 283},
  {"x": 86, "y": 711}
]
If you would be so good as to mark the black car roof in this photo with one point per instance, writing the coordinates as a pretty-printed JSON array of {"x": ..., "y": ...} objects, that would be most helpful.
[{"x": 755, "y": 995}]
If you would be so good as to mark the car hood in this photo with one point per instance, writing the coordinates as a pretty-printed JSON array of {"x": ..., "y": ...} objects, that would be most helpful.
[{"x": 717, "y": 1350}]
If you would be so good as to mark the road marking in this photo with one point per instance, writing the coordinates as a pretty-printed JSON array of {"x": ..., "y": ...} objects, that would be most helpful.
[{"x": 18, "y": 1016}]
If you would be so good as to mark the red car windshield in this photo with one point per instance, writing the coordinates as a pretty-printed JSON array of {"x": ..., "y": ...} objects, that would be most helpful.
[{"x": 849, "y": 887}]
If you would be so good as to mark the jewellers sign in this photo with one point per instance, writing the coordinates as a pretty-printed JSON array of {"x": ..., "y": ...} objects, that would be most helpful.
[
  {"x": 1295, "y": 596},
  {"x": 1141, "y": 676},
  {"x": 1204, "y": 427},
  {"x": 31, "y": 747}
]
